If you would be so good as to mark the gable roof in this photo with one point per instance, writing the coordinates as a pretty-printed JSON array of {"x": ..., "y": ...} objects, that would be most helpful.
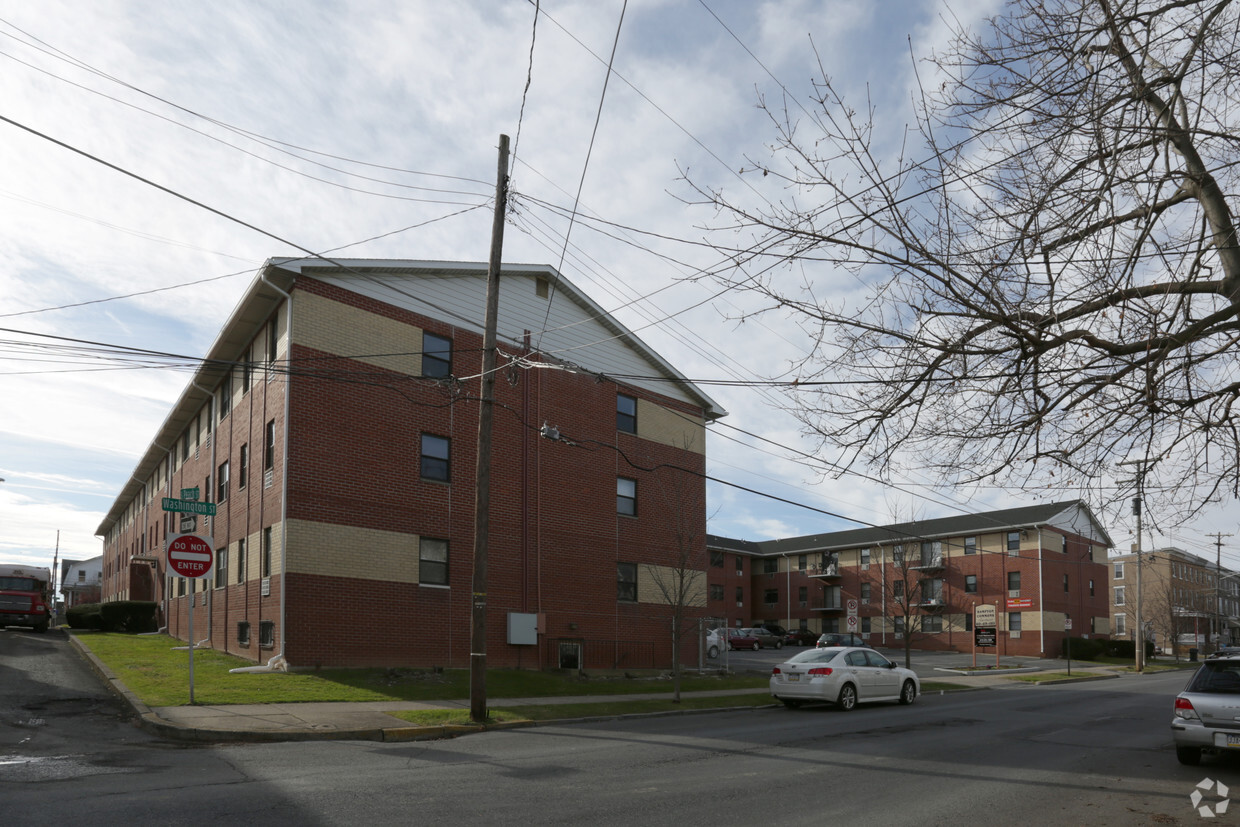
[{"x": 1072, "y": 515}]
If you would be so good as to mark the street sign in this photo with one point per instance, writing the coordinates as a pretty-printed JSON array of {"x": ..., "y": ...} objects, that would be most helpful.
[
  {"x": 190, "y": 556},
  {"x": 852, "y": 607},
  {"x": 1067, "y": 624},
  {"x": 189, "y": 523},
  {"x": 188, "y": 506},
  {"x": 852, "y": 623},
  {"x": 189, "y": 493}
]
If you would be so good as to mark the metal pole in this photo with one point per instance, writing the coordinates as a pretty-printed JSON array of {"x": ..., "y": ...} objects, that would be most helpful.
[{"x": 482, "y": 501}]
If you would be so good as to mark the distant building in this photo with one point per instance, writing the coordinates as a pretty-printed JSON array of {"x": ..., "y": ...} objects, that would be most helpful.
[
  {"x": 81, "y": 581},
  {"x": 1187, "y": 602},
  {"x": 334, "y": 425},
  {"x": 1042, "y": 567}
]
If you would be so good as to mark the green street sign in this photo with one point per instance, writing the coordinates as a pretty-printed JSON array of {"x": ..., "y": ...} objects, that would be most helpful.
[
  {"x": 188, "y": 507},
  {"x": 189, "y": 493}
]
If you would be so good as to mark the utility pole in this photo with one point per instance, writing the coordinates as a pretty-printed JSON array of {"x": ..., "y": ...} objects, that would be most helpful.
[
  {"x": 482, "y": 498},
  {"x": 1142, "y": 465},
  {"x": 1218, "y": 582}
]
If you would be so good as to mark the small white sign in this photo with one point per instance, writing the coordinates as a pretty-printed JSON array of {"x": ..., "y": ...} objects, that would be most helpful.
[{"x": 985, "y": 615}]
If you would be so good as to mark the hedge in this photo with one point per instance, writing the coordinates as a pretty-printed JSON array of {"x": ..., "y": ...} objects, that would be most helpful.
[{"x": 129, "y": 616}]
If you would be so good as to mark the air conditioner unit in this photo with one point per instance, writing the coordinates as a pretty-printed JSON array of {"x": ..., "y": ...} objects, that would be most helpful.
[
  {"x": 1013, "y": 592},
  {"x": 899, "y": 599},
  {"x": 865, "y": 600},
  {"x": 865, "y": 566},
  {"x": 804, "y": 603},
  {"x": 740, "y": 603},
  {"x": 266, "y": 590},
  {"x": 1013, "y": 634}
]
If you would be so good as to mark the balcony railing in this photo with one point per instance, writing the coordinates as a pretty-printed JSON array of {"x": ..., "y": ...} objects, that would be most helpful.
[{"x": 928, "y": 562}]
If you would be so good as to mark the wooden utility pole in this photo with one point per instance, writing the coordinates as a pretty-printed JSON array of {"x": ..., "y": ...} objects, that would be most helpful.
[{"x": 482, "y": 497}]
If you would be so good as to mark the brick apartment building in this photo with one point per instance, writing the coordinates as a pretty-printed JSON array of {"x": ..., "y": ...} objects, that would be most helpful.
[
  {"x": 1188, "y": 602},
  {"x": 1040, "y": 566},
  {"x": 334, "y": 424}
]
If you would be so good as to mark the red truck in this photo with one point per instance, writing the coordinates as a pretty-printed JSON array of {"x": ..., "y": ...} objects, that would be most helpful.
[{"x": 25, "y": 596}]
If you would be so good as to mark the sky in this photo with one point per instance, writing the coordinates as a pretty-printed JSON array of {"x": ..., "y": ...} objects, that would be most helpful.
[{"x": 157, "y": 153}]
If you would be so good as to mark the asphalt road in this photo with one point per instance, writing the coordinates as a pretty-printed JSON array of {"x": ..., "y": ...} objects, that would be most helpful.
[{"x": 1097, "y": 753}]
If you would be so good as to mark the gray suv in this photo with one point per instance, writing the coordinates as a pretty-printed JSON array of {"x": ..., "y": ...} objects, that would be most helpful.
[
  {"x": 765, "y": 637},
  {"x": 1206, "y": 711}
]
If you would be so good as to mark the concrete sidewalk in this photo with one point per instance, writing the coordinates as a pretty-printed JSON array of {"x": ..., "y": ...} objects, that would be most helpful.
[{"x": 370, "y": 721}]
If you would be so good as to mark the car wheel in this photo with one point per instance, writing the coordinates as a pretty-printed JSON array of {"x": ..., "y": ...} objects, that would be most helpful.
[
  {"x": 712, "y": 652},
  {"x": 757, "y": 646},
  {"x": 779, "y": 644},
  {"x": 790, "y": 703},
  {"x": 1188, "y": 755},
  {"x": 908, "y": 693},
  {"x": 847, "y": 700}
]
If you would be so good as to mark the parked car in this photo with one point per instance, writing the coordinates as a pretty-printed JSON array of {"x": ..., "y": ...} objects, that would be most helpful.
[
  {"x": 801, "y": 637},
  {"x": 840, "y": 639},
  {"x": 714, "y": 643},
  {"x": 742, "y": 639},
  {"x": 844, "y": 676},
  {"x": 765, "y": 637},
  {"x": 773, "y": 628},
  {"x": 1205, "y": 712}
]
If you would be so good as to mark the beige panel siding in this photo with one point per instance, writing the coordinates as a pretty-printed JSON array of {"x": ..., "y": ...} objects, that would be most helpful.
[
  {"x": 345, "y": 551},
  {"x": 658, "y": 424},
  {"x": 342, "y": 330},
  {"x": 657, "y": 584}
]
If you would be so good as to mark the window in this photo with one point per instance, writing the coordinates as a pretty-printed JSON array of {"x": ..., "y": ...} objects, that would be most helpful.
[
  {"x": 865, "y": 557},
  {"x": 1013, "y": 541},
  {"x": 433, "y": 562},
  {"x": 1013, "y": 581},
  {"x": 266, "y": 562},
  {"x": 803, "y": 595},
  {"x": 81, "y": 575},
  {"x": 626, "y": 496},
  {"x": 970, "y": 583},
  {"x": 716, "y": 591},
  {"x": 269, "y": 446},
  {"x": 716, "y": 559},
  {"x": 626, "y": 414},
  {"x": 226, "y": 396},
  {"x": 221, "y": 479},
  {"x": 740, "y": 565},
  {"x": 247, "y": 373},
  {"x": 243, "y": 633},
  {"x": 771, "y": 597},
  {"x": 626, "y": 582},
  {"x": 740, "y": 595},
  {"x": 865, "y": 592},
  {"x": 897, "y": 553},
  {"x": 273, "y": 341},
  {"x": 970, "y": 545},
  {"x": 1064, "y": 546},
  {"x": 770, "y": 566},
  {"x": 802, "y": 562},
  {"x": 267, "y": 633},
  {"x": 241, "y": 562},
  {"x": 1119, "y": 571},
  {"x": 932, "y": 624},
  {"x": 1065, "y": 582},
  {"x": 897, "y": 589},
  {"x": 1121, "y": 624},
  {"x": 435, "y": 450},
  {"x": 185, "y": 444},
  {"x": 1091, "y": 587},
  {"x": 436, "y": 356},
  {"x": 1119, "y": 595},
  {"x": 243, "y": 464},
  {"x": 865, "y": 625},
  {"x": 968, "y": 621},
  {"x": 899, "y": 626},
  {"x": 1014, "y": 622},
  {"x": 221, "y": 567}
]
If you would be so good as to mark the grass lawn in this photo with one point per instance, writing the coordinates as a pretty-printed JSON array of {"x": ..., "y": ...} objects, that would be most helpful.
[{"x": 159, "y": 676}]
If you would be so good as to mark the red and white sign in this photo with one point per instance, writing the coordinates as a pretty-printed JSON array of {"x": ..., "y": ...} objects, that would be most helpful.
[
  {"x": 852, "y": 623},
  {"x": 190, "y": 556},
  {"x": 1017, "y": 603}
]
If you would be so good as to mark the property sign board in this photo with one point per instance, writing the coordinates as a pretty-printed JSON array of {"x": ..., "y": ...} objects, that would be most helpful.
[
  {"x": 985, "y": 615},
  {"x": 985, "y": 635},
  {"x": 1018, "y": 603},
  {"x": 190, "y": 556}
]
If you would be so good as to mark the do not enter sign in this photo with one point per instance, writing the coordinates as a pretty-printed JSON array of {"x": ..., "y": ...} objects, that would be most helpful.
[{"x": 190, "y": 556}]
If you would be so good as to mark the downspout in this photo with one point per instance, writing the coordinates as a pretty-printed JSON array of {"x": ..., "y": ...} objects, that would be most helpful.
[
  {"x": 788, "y": 589},
  {"x": 212, "y": 428},
  {"x": 277, "y": 663},
  {"x": 882, "y": 570},
  {"x": 1041, "y": 596}
]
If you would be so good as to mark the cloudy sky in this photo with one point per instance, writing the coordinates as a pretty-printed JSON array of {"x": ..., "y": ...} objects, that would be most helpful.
[{"x": 369, "y": 129}]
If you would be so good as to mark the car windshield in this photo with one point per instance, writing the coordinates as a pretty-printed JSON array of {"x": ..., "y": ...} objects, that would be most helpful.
[
  {"x": 815, "y": 656},
  {"x": 1217, "y": 678}
]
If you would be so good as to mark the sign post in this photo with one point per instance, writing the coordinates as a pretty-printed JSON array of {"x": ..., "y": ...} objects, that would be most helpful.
[
  {"x": 192, "y": 557},
  {"x": 985, "y": 630}
]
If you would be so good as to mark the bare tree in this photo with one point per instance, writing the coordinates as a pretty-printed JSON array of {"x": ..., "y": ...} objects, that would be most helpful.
[
  {"x": 1051, "y": 285},
  {"x": 1161, "y": 610},
  {"x": 912, "y": 591}
]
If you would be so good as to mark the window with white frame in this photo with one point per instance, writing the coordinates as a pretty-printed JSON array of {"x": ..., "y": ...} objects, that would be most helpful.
[{"x": 1119, "y": 595}]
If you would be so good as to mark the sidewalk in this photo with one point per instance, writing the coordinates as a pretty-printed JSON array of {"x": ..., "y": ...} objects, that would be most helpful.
[{"x": 369, "y": 721}]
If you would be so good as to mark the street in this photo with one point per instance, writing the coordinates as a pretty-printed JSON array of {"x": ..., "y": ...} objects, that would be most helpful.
[{"x": 1096, "y": 753}]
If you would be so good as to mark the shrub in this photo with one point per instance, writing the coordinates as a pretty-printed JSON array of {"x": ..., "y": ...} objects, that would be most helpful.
[
  {"x": 129, "y": 616},
  {"x": 1121, "y": 648},
  {"x": 1083, "y": 648},
  {"x": 85, "y": 616}
]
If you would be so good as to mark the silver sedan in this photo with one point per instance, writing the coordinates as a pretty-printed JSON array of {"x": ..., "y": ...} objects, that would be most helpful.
[{"x": 844, "y": 676}]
